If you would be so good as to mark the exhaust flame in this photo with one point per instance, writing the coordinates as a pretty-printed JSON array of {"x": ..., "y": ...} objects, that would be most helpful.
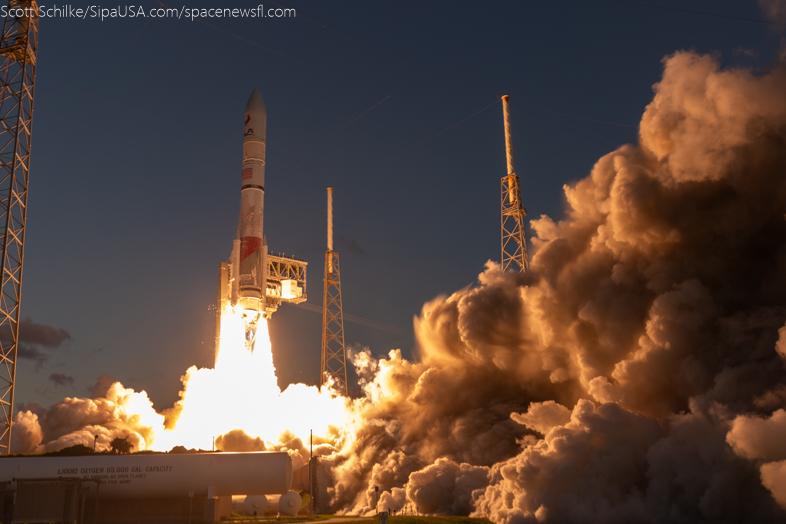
[
  {"x": 236, "y": 406},
  {"x": 251, "y": 326},
  {"x": 209, "y": 406}
]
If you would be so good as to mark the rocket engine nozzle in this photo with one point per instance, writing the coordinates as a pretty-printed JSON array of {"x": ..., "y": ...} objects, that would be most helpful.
[
  {"x": 251, "y": 327},
  {"x": 252, "y": 310}
]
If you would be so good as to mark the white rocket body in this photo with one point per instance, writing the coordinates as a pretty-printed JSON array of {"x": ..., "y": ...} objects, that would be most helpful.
[
  {"x": 251, "y": 260},
  {"x": 247, "y": 283},
  {"x": 248, "y": 265}
]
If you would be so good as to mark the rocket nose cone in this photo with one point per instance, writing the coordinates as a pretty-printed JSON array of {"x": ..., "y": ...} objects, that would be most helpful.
[
  {"x": 255, "y": 121},
  {"x": 255, "y": 104}
]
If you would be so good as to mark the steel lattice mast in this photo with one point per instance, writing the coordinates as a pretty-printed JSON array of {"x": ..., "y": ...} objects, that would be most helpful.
[
  {"x": 18, "y": 47},
  {"x": 334, "y": 355},
  {"x": 514, "y": 241}
]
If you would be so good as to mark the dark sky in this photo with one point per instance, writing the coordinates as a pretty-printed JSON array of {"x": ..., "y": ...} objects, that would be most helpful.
[{"x": 134, "y": 188}]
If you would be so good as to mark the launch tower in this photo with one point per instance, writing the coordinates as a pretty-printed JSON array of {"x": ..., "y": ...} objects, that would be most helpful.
[
  {"x": 514, "y": 241},
  {"x": 18, "y": 46},
  {"x": 334, "y": 355}
]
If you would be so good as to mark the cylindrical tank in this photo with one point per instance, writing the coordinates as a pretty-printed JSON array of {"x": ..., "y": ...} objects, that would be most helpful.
[
  {"x": 254, "y": 505},
  {"x": 164, "y": 474},
  {"x": 290, "y": 503}
]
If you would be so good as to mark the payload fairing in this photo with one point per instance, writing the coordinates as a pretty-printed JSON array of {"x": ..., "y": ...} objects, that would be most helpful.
[{"x": 254, "y": 282}]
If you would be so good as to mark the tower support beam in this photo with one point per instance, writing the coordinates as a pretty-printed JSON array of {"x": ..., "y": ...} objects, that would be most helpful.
[
  {"x": 18, "y": 46},
  {"x": 334, "y": 355}
]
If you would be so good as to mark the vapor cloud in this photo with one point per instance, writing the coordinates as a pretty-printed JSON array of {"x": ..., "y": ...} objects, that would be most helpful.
[
  {"x": 351, "y": 244},
  {"x": 33, "y": 337},
  {"x": 41, "y": 334},
  {"x": 774, "y": 9},
  {"x": 26, "y": 352},
  {"x": 61, "y": 379}
]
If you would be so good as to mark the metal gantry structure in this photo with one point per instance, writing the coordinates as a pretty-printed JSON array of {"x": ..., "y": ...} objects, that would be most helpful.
[
  {"x": 334, "y": 355},
  {"x": 514, "y": 240},
  {"x": 18, "y": 46}
]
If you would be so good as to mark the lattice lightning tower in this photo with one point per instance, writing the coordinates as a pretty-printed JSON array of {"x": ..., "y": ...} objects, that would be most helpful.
[
  {"x": 514, "y": 241},
  {"x": 18, "y": 46},
  {"x": 334, "y": 355}
]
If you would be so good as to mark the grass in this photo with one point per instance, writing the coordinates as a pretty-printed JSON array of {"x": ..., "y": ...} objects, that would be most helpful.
[
  {"x": 284, "y": 519},
  {"x": 413, "y": 519},
  {"x": 402, "y": 519},
  {"x": 300, "y": 518}
]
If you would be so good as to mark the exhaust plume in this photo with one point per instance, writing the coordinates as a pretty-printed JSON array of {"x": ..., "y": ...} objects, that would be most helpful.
[{"x": 624, "y": 377}]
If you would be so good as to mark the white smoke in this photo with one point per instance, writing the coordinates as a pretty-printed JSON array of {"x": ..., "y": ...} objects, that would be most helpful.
[{"x": 645, "y": 332}]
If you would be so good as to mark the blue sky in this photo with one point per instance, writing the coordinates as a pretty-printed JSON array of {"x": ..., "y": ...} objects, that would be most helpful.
[{"x": 137, "y": 140}]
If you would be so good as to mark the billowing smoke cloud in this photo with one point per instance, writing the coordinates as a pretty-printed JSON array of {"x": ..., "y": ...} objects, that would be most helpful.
[
  {"x": 634, "y": 374},
  {"x": 120, "y": 413},
  {"x": 238, "y": 440},
  {"x": 26, "y": 435},
  {"x": 101, "y": 387}
]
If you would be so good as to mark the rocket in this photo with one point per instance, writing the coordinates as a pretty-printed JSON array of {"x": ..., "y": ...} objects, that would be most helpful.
[
  {"x": 249, "y": 252},
  {"x": 252, "y": 283}
]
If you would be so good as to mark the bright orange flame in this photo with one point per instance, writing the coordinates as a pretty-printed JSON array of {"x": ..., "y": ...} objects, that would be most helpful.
[{"x": 241, "y": 392}]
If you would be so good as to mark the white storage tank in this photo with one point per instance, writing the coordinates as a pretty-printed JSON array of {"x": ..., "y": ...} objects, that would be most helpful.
[
  {"x": 163, "y": 475},
  {"x": 287, "y": 504},
  {"x": 290, "y": 503},
  {"x": 254, "y": 505}
]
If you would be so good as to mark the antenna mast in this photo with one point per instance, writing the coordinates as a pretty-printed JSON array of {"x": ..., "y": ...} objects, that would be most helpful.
[
  {"x": 334, "y": 356},
  {"x": 514, "y": 242}
]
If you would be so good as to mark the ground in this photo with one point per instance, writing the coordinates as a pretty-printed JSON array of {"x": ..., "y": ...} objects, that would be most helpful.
[{"x": 404, "y": 519}]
